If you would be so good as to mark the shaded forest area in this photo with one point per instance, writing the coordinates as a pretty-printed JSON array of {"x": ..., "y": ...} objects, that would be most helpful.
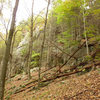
[{"x": 59, "y": 46}]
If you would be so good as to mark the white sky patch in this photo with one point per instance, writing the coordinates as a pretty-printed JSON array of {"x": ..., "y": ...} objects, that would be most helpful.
[{"x": 24, "y": 11}]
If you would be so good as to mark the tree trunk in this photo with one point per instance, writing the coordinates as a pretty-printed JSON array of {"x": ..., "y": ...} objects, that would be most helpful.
[
  {"x": 42, "y": 46},
  {"x": 7, "y": 52},
  {"x": 84, "y": 21},
  {"x": 11, "y": 56},
  {"x": 49, "y": 49},
  {"x": 30, "y": 43},
  {"x": 28, "y": 59}
]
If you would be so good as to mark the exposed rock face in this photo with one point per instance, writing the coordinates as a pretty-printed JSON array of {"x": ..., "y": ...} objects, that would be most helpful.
[
  {"x": 18, "y": 61},
  {"x": 25, "y": 41},
  {"x": 22, "y": 44}
]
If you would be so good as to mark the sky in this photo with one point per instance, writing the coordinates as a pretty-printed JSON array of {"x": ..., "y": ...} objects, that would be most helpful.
[{"x": 24, "y": 11}]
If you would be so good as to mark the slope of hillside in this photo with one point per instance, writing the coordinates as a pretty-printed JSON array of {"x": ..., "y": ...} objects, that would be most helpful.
[{"x": 74, "y": 87}]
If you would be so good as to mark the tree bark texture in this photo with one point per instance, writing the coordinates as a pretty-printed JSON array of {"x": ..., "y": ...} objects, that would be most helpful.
[{"x": 7, "y": 51}]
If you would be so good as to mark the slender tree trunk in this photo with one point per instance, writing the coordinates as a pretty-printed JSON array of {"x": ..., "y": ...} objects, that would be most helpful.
[
  {"x": 42, "y": 46},
  {"x": 11, "y": 56},
  {"x": 7, "y": 52},
  {"x": 30, "y": 43},
  {"x": 84, "y": 21},
  {"x": 49, "y": 49}
]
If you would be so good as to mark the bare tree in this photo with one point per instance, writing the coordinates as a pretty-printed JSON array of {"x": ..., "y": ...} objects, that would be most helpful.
[
  {"x": 84, "y": 21},
  {"x": 11, "y": 54},
  {"x": 28, "y": 59},
  {"x": 42, "y": 46},
  {"x": 7, "y": 51}
]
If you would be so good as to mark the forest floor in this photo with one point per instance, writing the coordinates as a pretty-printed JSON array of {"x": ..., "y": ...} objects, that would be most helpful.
[{"x": 73, "y": 87}]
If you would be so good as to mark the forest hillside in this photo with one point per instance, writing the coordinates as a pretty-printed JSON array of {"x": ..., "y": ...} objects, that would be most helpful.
[
  {"x": 73, "y": 87},
  {"x": 49, "y": 50}
]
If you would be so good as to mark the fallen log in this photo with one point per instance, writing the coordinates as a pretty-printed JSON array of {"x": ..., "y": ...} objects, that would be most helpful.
[
  {"x": 75, "y": 66},
  {"x": 72, "y": 55},
  {"x": 51, "y": 42},
  {"x": 75, "y": 71},
  {"x": 58, "y": 76},
  {"x": 71, "y": 68}
]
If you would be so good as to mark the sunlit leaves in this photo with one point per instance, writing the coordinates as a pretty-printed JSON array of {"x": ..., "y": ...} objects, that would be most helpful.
[
  {"x": 35, "y": 59},
  {"x": 67, "y": 39}
]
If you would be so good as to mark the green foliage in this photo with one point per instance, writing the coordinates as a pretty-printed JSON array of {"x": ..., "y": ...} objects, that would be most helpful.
[
  {"x": 90, "y": 31},
  {"x": 67, "y": 39},
  {"x": 96, "y": 12},
  {"x": 88, "y": 58},
  {"x": 67, "y": 10},
  {"x": 34, "y": 54},
  {"x": 35, "y": 59},
  {"x": 97, "y": 57},
  {"x": 98, "y": 38},
  {"x": 23, "y": 51}
]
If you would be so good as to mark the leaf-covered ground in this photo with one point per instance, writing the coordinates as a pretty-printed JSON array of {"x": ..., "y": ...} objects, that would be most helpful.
[{"x": 84, "y": 87}]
